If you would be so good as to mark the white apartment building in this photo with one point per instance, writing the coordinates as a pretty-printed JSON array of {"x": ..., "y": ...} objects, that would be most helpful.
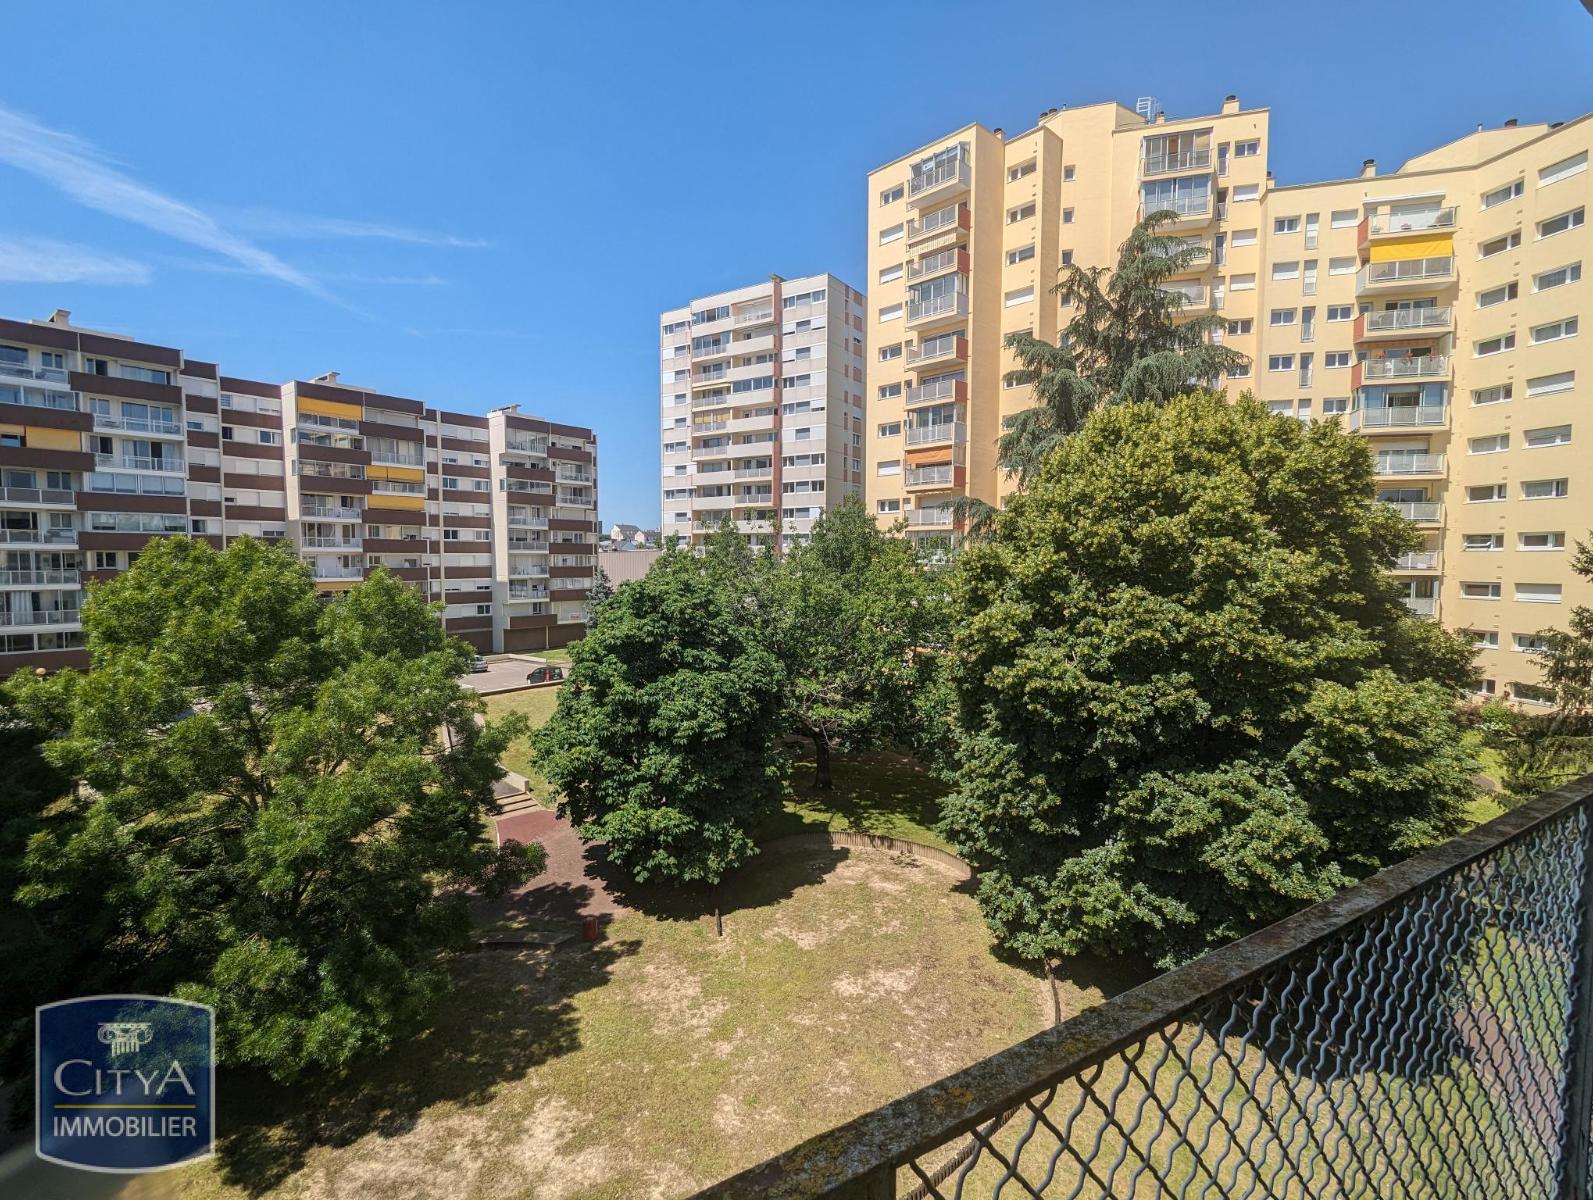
[{"x": 761, "y": 407}]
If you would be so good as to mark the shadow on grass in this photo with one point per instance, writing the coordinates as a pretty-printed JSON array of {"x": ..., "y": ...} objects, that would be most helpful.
[
  {"x": 507, "y": 1013},
  {"x": 880, "y": 793},
  {"x": 767, "y": 879}
]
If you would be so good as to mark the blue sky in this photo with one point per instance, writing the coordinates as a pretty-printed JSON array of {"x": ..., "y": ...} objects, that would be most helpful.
[{"x": 479, "y": 204}]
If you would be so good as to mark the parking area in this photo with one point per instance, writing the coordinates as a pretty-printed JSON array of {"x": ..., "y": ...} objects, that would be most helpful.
[{"x": 504, "y": 673}]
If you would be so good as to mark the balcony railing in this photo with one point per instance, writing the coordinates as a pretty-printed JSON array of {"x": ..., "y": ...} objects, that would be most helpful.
[
  {"x": 1179, "y": 206},
  {"x": 935, "y": 264},
  {"x": 1412, "y": 222},
  {"x": 331, "y": 512},
  {"x": 937, "y": 390},
  {"x": 1423, "y": 512},
  {"x": 27, "y": 495},
  {"x": 1398, "y": 320},
  {"x": 38, "y": 398},
  {"x": 1405, "y": 368},
  {"x": 337, "y": 572},
  {"x": 939, "y": 222},
  {"x": 17, "y": 371},
  {"x": 1404, "y": 270},
  {"x": 1422, "y": 606},
  {"x": 1167, "y": 164},
  {"x": 538, "y": 449},
  {"x": 137, "y": 425},
  {"x": 939, "y": 433},
  {"x": 755, "y": 317},
  {"x": 50, "y": 577},
  {"x": 941, "y": 473},
  {"x": 391, "y": 458},
  {"x": 935, "y": 517},
  {"x": 1419, "y": 560},
  {"x": 38, "y": 537},
  {"x": 522, "y": 591},
  {"x": 330, "y": 543},
  {"x": 1409, "y": 462},
  {"x": 952, "y": 172},
  {"x": 1413, "y": 416},
  {"x": 1422, "y": 1034},
  {"x": 753, "y": 472},
  {"x": 947, "y": 346},
  {"x": 952, "y": 304},
  {"x": 42, "y": 616}
]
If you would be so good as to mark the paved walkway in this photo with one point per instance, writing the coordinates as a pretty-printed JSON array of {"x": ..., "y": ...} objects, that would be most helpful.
[{"x": 568, "y": 889}]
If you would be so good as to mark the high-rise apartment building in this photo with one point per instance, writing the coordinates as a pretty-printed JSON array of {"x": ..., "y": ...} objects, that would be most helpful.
[
  {"x": 106, "y": 442},
  {"x": 761, "y": 399},
  {"x": 1435, "y": 310}
]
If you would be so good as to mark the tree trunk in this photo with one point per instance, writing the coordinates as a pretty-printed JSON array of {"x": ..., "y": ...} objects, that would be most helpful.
[{"x": 821, "y": 763}]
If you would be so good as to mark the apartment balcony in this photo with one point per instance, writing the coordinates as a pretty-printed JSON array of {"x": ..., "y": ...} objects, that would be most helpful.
[
  {"x": 1379, "y": 370},
  {"x": 528, "y": 545},
  {"x": 751, "y": 424},
  {"x": 137, "y": 462},
  {"x": 48, "y": 578},
  {"x": 766, "y": 472},
  {"x": 1422, "y": 606},
  {"x": 525, "y": 521},
  {"x": 952, "y": 306},
  {"x": 1187, "y": 212},
  {"x": 755, "y": 316},
  {"x": 330, "y": 543},
  {"x": 944, "y": 350},
  {"x": 938, "y": 391},
  {"x": 754, "y": 526},
  {"x": 1383, "y": 225},
  {"x": 1402, "y": 322},
  {"x": 956, "y": 258},
  {"x": 46, "y": 374},
  {"x": 139, "y": 425},
  {"x": 1196, "y": 298},
  {"x": 700, "y": 453},
  {"x": 526, "y": 591},
  {"x": 1420, "y": 560},
  {"x": 1188, "y": 162},
  {"x": 1403, "y": 274},
  {"x": 383, "y": 458},
  {"x": 941, "y": 433},
  {"x": 38, "y": 497},
  {"x": 35, "y": 617},
  {"x": 937, "y": 477},
  {"x": 1409, "y": 463},
  {"x": 937, "y": 186},
  {"x": 333, "y": 571},
  {"x": 330, "y": 512},
  {"x": 38, "y": 537},
  {"x": 713, "y": 503},
  {"x": 1418, "y": 512},
  {"x": 525, "y": 449},
  {"x": 934, "y": 517},
  {"x": 762, "y": 499},
  {"x": 709, "y": 352},
  {"x": 1400, "y": 417},
  {"x": 949, "y": 223}
]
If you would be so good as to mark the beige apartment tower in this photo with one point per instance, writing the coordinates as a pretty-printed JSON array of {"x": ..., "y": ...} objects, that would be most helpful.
[
  {"x": 761, "y": 403},
  {"x": 1435, "y": 310}
]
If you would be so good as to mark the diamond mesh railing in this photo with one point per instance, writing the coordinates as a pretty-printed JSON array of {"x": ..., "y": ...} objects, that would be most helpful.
[{"x": 1424, "y": 1034}]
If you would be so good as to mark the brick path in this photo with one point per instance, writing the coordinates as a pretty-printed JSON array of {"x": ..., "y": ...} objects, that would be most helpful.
[{"x": 568, "y": 889}]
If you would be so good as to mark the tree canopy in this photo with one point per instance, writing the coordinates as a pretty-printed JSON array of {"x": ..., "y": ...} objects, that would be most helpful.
[
  {"x": 662, "y": 744},
  {"x": 273, "y": 822},
  {"x": 1190, "y": 697}
]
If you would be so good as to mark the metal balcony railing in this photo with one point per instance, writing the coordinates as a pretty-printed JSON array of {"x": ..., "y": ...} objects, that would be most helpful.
[
  {"x": 1409, "y": 462},
  {"x": 934, "y": 349},
  {"x": 753, "y": 318},
  {"x": 1411, "y": 222},
  {"x": 934, "y": 434},
  {"x": 1418, "y": 560},
  {"x": 28, "y": 495},
  {"x": 951, "y": 170},
  {"x": 934, "y": 264},
  {"x": 321, "y": 572},
  {"x": 137, "y": 425},
  {"x": 933, "y": 391},
  {"x": 1404, "y": 368},
  {"x": 1405, "y": 416},
  {"x": 1423, "y": 1034},
  {"x": 38, "y": 537},
  {"x": 943, "y": 473},
  {"x": 1164, "y": 164},
  {"x": 946, "y": 218},
  {"x": 49, "y": 577},
  {"x": 933, "y": 518},
  {"x": 947, "y": 305},
  {"x": 17, "y": 371},
  {"x": 536, "y": 448},
  {"x": 137, "y": 462},
  {"x": 1422, "y": 606},
  {"x": 330, "y": 543},
  {"x": 1426, "y": 512},
  {"x": 41, "y": 616},
  {"x": 1404, "y": 270},
  {"x": 1394, "y": 320},
  {"x": 331, "y": 512},
  {"x": 753, "y": 472},
  {"x": 1179, "y": 206}
]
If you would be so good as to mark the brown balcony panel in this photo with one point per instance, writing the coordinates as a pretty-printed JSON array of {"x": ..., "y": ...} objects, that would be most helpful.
[
  {"x": 569, "y": 572},
  {"x": 411, "y": 574},
  {"x": 567, "y": 455},
  {"x": 460, "y": 624},
  {"x": 204, "y": 508},
  {"x": 251, "y": 512},
  {"x": 91, "y": 540},
  {"x": 124, "y": 389},
  {"x": 568, "y": 593},
  {"x": 202, "y": 404},
  {"x": 254, "y": 420},
  {"x": 570, "y": 524},
  {"x": 109, "y": 502},
  {"x": 198, "y": 473},
  {"x": 195, "y": 369},
  {"x": 470, "y": 572},
  {"x": 533, "y": 621},
  {"x": 45, "y": 418},
  {"x": 334, "y": 454},
  {"x": 464, "y": 522},
  {"x": 397, "y": 545},
  {"x": 401, "y": 433},
  {"x": 250, "y": 387},
  {"x": 521, "y": 471},
  {"x": 203, "y": 440},
  {"x": 316, "y": 483},
  {"x": 49, "y": 660}
]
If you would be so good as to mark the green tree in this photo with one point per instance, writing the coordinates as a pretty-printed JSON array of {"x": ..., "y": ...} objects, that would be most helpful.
[
  {"x": 853, "y": 611},
  {"x": 1191, "y": 698},
  {"x": 663, "y": 741},
  {"x": 272, "y": 822},
  {"x": 1568, "y": 662}
]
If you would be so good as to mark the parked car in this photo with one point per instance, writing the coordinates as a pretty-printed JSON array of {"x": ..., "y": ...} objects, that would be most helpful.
[
  {"x": 477, "y": 664},
  {"x": 544, "y": 674}
]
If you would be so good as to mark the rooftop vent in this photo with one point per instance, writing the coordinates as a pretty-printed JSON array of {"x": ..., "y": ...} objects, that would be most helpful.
[
  {"x": 61, "y": 316},
  {"x": 329, "y": 377},
  {"x": 1511, "y": 123},
  {"x": 1369, "y": 168}
]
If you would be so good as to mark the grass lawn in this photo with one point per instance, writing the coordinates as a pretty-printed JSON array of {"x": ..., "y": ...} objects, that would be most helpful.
[
  {"x": 656, "y": 1062},
  {"x": 881, "y": 793},
  {"x": 537, "y": 704}
]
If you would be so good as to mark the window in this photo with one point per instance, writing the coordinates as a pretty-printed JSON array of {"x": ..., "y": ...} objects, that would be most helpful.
[
  {"x": 1240, "y": 326},
  {"x": 1495, "y": 345},
  {"x": 1502, "y": 195},
  {"x": 1018, "y": 172},
  {"x": 1021, "y": 254},
  {"x": 1067, "y": 258},
  {"x": 1564, "y": 169},
  {"x": 893, "y": 351},
  {"x": 1286, "y": 225},
  {"x": 1547, "y": 385},
  {"x": 1531, "y": 693},
  {"x": 890, "y": 467},
  {"x": 890, "y": 429},
  {"x": 1336, "y": 358},
  {"x": 1530, "y": 643},
  {"x": 1341, "y": 266},
  {"x": 1241, "y": 371},
  {"x": 891, "y": 312},
  {"x": 1242, "y": 238},
  {"x": 889, "y": 391},
  {"x": 1482, "y": 541},
  {"x": 1247, "y": 149},
  {"x": 1493, "y": 395},
  {"x": 1246, "y": 191},
  {"x": 1280, "y": 408},
  {"x": 1067, "y": 216},
  {"x": 1280, "y": 362},
  {"x": 1341, "y": 312},
  {"x": 1333, "y": 405},
  {"x": 1021, "y": 213},
  {"x": 888, "y": 506},
  {"x": 1484, "y": 639},
  {"x": 1068, "y": 173},
  {"x": 891, "y": 233},
  {"x": 1498, "y": 295},
  {"x": 1541, "y": 541},
  {"x": 892, "y": 194},
  {"x": 891, "y": 273},
  {"x": 1493, "y": 443},
  {"x": 1545, "y": 489},
  {"x": 1554, "y": 331},
  {"x": 1283, "y": 316},
  {"x": 1286, "y": 270},
  {"x": 1481, "y": 591},
  {"x": 1558, "y": 277},
  {"x": 1345, "y": 218},
  {"x": 1485, "y": 493},
  {"x": 1559, "y": 224},
  {"x": 1538, "y": 593},
  {"x": 1499, "y": 245},
  {"x": 1553, "y": 435},
  {"x": 1020, "y": 296}
]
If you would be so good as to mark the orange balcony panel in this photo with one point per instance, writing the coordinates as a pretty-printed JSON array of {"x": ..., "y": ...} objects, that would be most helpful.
[{"x": 930, "y": 457}]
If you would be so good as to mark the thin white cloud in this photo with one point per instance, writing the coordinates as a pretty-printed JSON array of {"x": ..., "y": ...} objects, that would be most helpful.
[
  {"x": 44, "y": 260},
  {"x": 210, "y": 267},
  {"x": 274, "y": 223},
  {"x": 78, "y": 169}
]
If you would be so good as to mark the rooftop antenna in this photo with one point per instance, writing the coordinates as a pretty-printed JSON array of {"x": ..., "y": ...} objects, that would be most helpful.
[{"x": 1146, "y": 107}]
